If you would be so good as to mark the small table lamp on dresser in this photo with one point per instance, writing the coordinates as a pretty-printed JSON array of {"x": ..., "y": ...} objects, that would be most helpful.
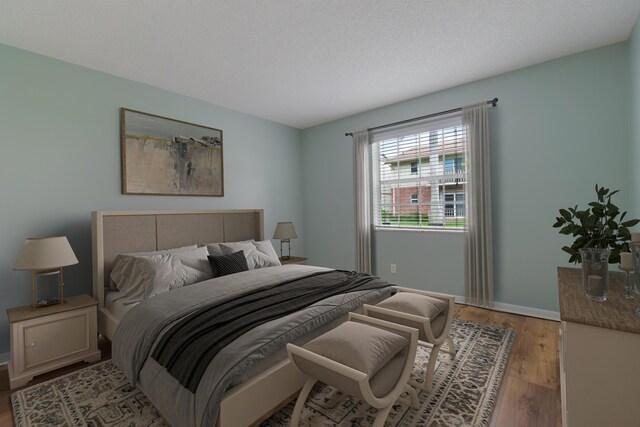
[
  {"x": 45, "y": 256},
  {"x": 285, "y": 232}
]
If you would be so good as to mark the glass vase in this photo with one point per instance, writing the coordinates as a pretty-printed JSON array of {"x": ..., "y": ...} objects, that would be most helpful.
[{"x": 595, "y": 273}]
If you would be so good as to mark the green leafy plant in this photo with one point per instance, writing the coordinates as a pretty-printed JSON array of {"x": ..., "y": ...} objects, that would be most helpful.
[{"x": 596, "y": 227}]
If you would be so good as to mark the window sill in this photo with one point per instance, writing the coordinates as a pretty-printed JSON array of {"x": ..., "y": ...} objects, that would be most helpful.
[{"x": 452, "y": 230}]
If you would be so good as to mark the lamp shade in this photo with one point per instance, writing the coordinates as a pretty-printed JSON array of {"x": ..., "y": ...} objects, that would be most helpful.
[
  {"x": 285, "y": 231},
  {"x": 45, "y": 253}
]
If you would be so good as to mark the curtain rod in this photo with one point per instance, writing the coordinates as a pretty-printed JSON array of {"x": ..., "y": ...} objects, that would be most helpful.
[{"x": 492, "y": 102}]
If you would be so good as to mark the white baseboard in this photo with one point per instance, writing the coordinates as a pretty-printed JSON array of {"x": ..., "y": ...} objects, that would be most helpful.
[{"x": 520, "y": 309}]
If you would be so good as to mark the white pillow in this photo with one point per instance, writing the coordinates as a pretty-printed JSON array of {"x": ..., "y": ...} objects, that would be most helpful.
[
  {"x": 196, "y": 259},
  {"x": 123, "y": 264},
  {"x": 145, "y": 276},
  {"x": 258, "y": 254},
  {"x": 163, "y": 273},
  {"x": 215, "y": 250},
  {"x": 266, "y": 248}
]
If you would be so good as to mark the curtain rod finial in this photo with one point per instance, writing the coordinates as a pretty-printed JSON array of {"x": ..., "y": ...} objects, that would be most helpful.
[
  {"x": 348, "y": 134},
  {"x": 494, "y": 101}
]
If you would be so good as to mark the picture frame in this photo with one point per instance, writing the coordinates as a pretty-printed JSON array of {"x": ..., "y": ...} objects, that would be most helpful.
[{"x": 169, "y": 157}]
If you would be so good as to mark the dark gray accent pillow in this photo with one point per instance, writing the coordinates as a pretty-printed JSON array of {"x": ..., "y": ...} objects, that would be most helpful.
[{"x": 223, "y": 265}]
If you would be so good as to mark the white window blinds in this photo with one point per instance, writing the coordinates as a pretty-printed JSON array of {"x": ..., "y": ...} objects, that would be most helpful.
[{"x": 419, "y": 174}]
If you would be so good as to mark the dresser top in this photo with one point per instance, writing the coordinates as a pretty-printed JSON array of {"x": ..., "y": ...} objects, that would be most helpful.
[
  {"x": 19, "y": 314},
  {"x": 615, "y": 313}
]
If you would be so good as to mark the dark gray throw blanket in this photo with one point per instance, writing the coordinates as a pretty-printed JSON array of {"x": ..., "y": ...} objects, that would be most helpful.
[{"x": 189, "y": 345}]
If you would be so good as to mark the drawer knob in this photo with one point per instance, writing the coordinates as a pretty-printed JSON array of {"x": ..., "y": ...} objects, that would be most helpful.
[{"x": 32, "y": 344}]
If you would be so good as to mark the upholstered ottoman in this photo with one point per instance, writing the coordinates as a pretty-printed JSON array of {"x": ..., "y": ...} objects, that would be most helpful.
[
  {"x": 368, "y": 358},
  {"x": 429, "y": 312}
]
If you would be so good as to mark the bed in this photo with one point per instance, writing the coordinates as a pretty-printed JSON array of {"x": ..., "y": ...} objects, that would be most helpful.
[{"x": 256, "y": 387}]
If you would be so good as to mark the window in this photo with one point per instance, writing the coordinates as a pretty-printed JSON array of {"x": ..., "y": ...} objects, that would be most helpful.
[
  {"x": 453, "y": 165},
  {"x": 454, "y": 205},
  {"x": 419, "y": 175}
]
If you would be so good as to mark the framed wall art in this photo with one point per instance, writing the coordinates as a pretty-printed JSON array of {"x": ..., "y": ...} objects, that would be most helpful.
[{"x": 164, "y": 156}]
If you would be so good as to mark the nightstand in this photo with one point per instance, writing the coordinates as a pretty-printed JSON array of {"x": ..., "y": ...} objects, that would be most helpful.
[
  {"x": 293, "y": 260},
  {"x": 48, "y": 338}
]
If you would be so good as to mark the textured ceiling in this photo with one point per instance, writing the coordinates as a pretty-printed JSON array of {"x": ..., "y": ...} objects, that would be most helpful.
[{"x": 306, "y": 62}]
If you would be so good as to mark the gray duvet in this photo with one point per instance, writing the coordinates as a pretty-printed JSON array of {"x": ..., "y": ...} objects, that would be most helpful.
[{"x": 141, "y": 327}]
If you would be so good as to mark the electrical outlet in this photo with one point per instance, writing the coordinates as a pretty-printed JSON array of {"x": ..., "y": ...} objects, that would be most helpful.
[{"x": 393, "y": 268}]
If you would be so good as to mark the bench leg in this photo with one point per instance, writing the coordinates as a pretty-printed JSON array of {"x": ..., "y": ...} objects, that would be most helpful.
[
  {"x": 302, "y": 397},
  {"x": 452, "y": 348},
  {"x": 383, "y": 413},
  {"x": 431, "y": 367},
  {"x": 413, "y": 401}
]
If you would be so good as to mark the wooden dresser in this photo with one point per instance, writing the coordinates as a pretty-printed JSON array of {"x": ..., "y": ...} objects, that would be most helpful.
[{"x": 599, "y": 354}]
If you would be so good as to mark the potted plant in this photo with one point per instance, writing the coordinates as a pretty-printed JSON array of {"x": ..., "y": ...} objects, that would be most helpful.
[{"x": 601, "y": 234}]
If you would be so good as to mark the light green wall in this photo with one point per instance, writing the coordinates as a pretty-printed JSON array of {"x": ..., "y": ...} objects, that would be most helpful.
[
  {"x": 634, "y": 114},
  {"x": 560, "y": 127},
  {"x": 60, "y": 160}
]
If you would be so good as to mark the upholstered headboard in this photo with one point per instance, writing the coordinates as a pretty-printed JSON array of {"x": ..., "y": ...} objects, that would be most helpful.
[{"x": 115, "y": 233}]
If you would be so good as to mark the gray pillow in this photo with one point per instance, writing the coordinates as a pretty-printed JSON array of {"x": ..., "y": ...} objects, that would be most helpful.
[
  {"x": 416, "y": 304},
  {"x": 365, "y": 348},
  {"x": 257, "y": 254},
  {"x": 215, "y": 250},
  {"x": 123, "y": 264},
  {"x": 146, "y": 276},
  {"x": 266, "y": 247}
]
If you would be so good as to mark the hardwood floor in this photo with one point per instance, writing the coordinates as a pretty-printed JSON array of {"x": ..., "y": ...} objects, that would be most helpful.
[{"x": 530, "y": 392}]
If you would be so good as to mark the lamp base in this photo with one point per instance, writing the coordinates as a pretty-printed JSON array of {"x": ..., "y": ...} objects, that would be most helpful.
[
  {"x": 48, "y": 302},
  {"x": 288, "y": 242},
  {"x": 49, "y": 298}
]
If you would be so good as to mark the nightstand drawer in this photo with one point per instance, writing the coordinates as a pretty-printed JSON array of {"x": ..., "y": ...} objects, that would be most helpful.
[{"x": 47, "y": 339}]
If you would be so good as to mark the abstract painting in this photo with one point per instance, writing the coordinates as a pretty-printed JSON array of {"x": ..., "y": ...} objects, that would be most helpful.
[{"x": 169, "y": 157}]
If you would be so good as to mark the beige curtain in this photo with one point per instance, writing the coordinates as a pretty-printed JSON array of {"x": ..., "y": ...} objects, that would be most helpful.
[
  {"x": 478, "y": 245},
  {"x": 362, "y": 176}
]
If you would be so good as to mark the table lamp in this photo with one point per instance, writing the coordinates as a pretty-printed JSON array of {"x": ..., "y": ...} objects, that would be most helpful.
[
  {"x": 285, "y": 232},
  {"x": 45, "y": 256}
]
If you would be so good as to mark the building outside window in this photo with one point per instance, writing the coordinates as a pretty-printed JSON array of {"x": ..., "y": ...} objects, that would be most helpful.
[{"x": 419, "y": 177}]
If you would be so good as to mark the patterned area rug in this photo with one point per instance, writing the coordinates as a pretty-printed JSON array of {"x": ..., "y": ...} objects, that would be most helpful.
[
  {"x": 464, "y": 393},
  {"x": 96, "y": 396}
]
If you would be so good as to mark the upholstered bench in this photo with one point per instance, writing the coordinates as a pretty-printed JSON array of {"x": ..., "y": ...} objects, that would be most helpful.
[
  {"x": 367, "y": 358},
  {"x": 429, "y": 312}
]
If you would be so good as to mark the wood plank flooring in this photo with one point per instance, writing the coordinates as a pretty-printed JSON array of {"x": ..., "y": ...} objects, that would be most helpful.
[{"x": 530, "y": 392}]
